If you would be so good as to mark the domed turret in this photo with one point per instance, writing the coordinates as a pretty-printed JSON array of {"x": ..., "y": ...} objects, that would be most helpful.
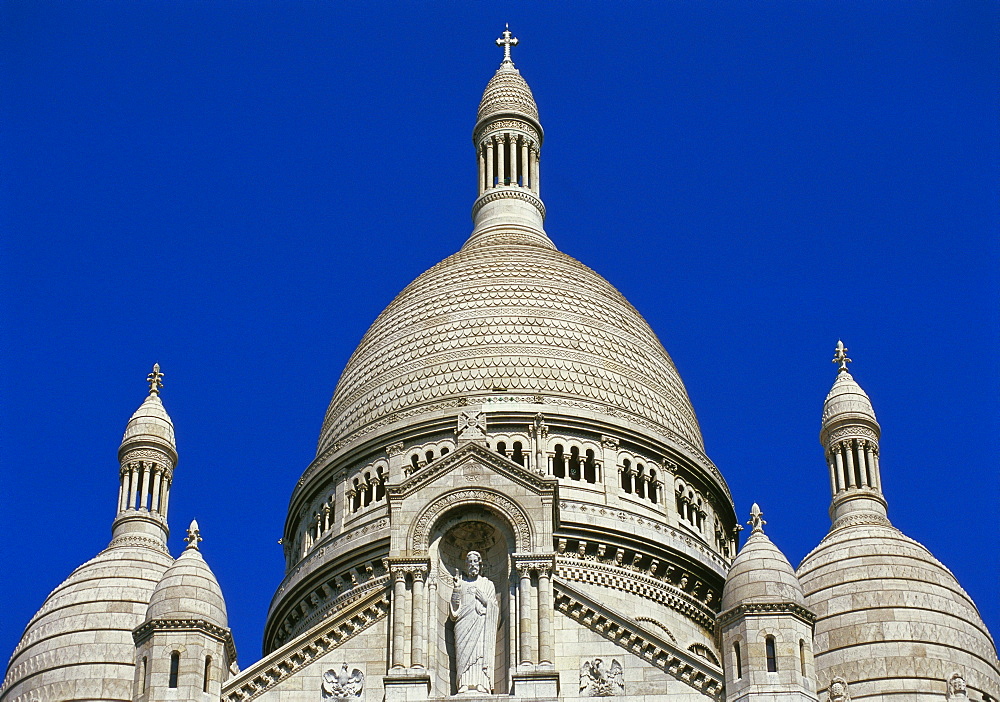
[
  {"x": 184, "y": 647},
  {"x": 57, "y": 658},
  {"x": 891, "y": 619},
  {"x": 765, "y": 627}
]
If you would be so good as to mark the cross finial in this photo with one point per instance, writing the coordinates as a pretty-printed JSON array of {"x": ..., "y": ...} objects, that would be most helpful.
[
  {"x": 756, "y": 520},
  {"x": 194, "y": 535},
  {"x": 507, "y": 41},
  {"x": 155, "y": 380},
  {"x": 840, "y": 356}
]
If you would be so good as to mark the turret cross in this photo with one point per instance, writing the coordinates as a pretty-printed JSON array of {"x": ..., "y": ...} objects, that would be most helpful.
[
  {"x": 840, "y": 356},
  {"x": 155, "y": 380},
  {"x": 507, "y": 41}
]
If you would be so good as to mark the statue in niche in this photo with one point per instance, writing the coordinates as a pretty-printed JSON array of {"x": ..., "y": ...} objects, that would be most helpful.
[
  {"x": 956, "y": 687},
  {"x": 475, "y": 609}
]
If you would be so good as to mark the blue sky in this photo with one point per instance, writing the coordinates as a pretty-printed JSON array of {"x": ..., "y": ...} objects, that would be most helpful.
[{"x": 235, "y": 190}]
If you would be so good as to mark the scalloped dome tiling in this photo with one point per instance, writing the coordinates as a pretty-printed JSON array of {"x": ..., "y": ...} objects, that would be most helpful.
[
  {"x": 507, "y": 92},
  {"x": 529, "y": 320}
]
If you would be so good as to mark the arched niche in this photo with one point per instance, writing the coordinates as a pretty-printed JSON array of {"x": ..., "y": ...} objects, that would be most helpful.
[
  {"x": 506, "y": 510},
  {"x": 458, "y": 530}
]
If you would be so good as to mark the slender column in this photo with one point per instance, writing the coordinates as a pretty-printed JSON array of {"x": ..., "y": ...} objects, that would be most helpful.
[
  {"x": 133, "y": 485},
  {"x": 535, "y": 176},
  {"x": 501, "y": 149},
  {"x": 417, "y": 643},
  {"x": 432, "y": 589},
  {"x": 544, "y": 615},
  {"x": 861, "y": 464},
  {"x": 154, "y": 500},
  {"x": 398, "y": 618},
  {"x": 326, "y": 516},
  {"x": 489, "y": 163},
  {"x": 877, "y": 470},
  {"x": 833, "y": 475},
  {"x": 839, "y": 458},
  {"x": 849, "y": 456},
  {"x": 873, "y": 465},
  {"x": 524, "y": 607},
  {"x": 122, "y": 488},
  {"x": 482, "y": 169},
  {"x": 524, "y": 162},
  {"x": 513, "y": 159},
  {"x": 167, "y": 482},
  {"x": 144, "y": 489}
]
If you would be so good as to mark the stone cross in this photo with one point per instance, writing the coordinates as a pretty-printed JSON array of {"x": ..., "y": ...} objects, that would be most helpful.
[
  {"x": 155, "y": 380},
  {"x": 840, "y": 356},
  {"x": 507, "y": 41},
  {"x": 756, "y": 519}
]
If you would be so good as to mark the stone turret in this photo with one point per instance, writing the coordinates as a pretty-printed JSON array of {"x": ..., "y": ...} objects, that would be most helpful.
[
  {"x": 508, "y": 139},
  {"x": 850, "y": 435},
  {"x": 184, "y": 648},
  {"x": 147, "y": 455},
  {"x": 765, "y": 627}
]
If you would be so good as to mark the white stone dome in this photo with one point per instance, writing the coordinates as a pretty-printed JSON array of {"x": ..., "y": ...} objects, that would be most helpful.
[
  {"x": 522, "y": 319},
  {"x": 891, "y": 619},
  {"x": 507, "y": 93},
  {"x": 79, "y": 645},
  {"x": 846, "y": 402},
  {"x": 188, "y": 590},
  {"x": 760, "y": 574}
]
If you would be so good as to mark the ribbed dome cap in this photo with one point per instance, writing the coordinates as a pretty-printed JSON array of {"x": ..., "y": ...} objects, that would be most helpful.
[
  {"x": 189, "y": 590},
  {"x": 506, "y": 93},
  {"x": 761, "y": 573},
  {"x": 57, "y": 657},
  {"x": 529, "y": 320},
  {"x": 847, "y": 400},
  {"x": 891, "y": 619},
  {"x": 150, "y": 423}
]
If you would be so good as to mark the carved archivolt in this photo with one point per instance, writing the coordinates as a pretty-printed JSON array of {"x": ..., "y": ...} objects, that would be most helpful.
[{"x": 508, "y": 509}]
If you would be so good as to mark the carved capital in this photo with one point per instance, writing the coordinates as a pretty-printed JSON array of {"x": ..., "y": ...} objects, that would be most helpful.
[
  {"x": 609, "y": 442},
  {"x": 394, "y": 449}
]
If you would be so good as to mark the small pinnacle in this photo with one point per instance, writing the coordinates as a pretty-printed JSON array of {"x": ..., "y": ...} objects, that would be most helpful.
[
  {"x": 155, "y": 380},
  {"x": 756, "y": 520},
  {"x": 840, "y": 356},
  {"x": 507, "y": 41},
  {"x": 194, "y": 535}
]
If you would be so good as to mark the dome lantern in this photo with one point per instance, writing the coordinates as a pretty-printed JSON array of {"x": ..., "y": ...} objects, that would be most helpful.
[
  {"x": 850, "y": 435},
  {"x": 508, "y": 138}
]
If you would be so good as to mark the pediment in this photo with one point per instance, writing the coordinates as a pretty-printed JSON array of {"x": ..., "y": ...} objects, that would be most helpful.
[{"x": 477, "y": 465}]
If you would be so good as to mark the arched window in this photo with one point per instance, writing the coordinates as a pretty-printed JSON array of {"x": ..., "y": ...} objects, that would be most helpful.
[
  {"x": 429, "y": 456},
  {"x": 369, "y": 489},
  {"x": 772, "y": 658},
  {"x": 590, "y": 467},
  {"x": 175, "y": 664},
  {"x": 142, "y": 676},
  {"x": 559, "y": 463},
  {"x": 502, "y": 448},
  {"x": 640, "y": 480},
  {"x": 627, "y": 475},
  {"x": 652, "y": 486},
  {"x": 356, "y": 501},
  {"x": 574, "y": 463},
  {"x": 415, "y": 462},
  {"x": 208, "y": 673},
  {"x": 518, "y": 455},
  {"x": 444, "y": 451},
  {"x": 802, "y": 657},
  {"x": 738, "y": 660}
]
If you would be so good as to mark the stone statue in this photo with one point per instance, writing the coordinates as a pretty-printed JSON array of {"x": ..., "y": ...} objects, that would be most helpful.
[
  {"x": 595, "y": 681},
  {"x": 344, "y": 685},
  {"x": 475, "y": 609},
  {"x": 956, "y": 687},
  {"x": 839, "y": 691}
]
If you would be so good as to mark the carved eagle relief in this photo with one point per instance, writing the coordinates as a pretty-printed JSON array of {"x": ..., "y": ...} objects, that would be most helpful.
[{"x": 342, "y": 685}]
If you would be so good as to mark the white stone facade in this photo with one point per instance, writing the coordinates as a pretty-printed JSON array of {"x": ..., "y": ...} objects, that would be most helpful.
[{"x": 511, "y": 402}]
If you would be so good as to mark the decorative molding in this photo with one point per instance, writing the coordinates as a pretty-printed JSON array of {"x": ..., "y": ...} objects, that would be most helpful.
[
  {"x": 767, "y": 608},
  {"x": 307, "y": 648},
  {"x": 504, "y": 192},
  {"x": 420, "y": 531},
  {"x": 858, "y": 519},
  {"x": 679, "y": 664}
]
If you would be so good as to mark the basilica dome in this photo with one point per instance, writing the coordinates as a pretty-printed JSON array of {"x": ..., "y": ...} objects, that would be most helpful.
[{"x": 515, "y": 318}]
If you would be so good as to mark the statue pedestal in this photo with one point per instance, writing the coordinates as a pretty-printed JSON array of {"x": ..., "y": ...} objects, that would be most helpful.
[
  {"x": 536, "y": 684},
  {"x": 407, "y": 685}
]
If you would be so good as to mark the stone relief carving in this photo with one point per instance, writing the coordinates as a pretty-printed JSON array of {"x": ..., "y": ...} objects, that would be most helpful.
[
  {"x": 342, "y": 685},
  {"x": 839, "y": 691},
  {"x": 956, "y": 687},
  {"x": 471, "y": 425},
  {"x": 475, "y": 609},
  {"x": 598, "y": 681}
]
